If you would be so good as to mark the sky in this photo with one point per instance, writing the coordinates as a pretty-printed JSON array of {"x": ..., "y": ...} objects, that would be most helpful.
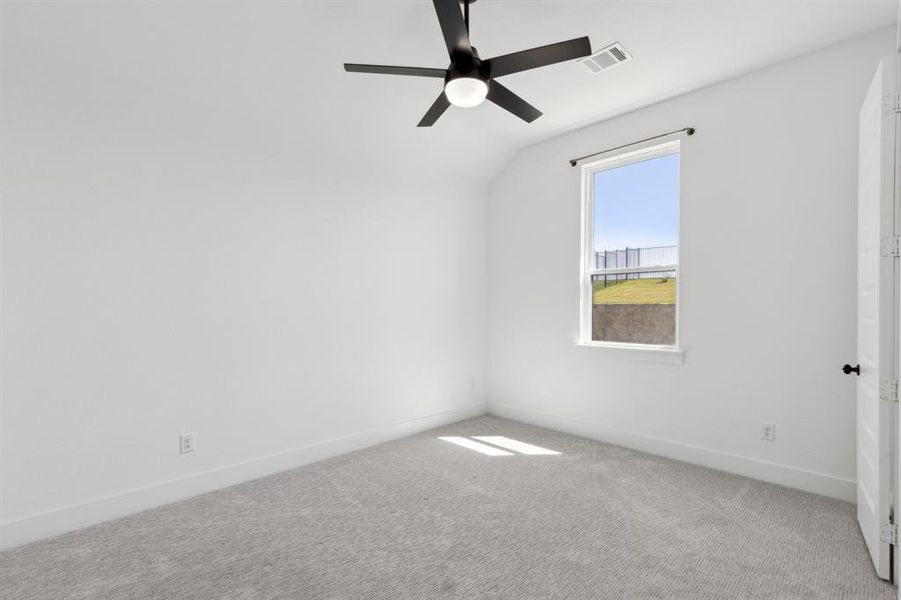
[{"x": 637, "y": 205}]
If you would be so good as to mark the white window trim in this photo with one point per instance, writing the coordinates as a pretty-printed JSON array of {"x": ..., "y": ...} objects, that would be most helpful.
[
  {"x": 671, "y": 355},
  {"x": 657, "y": 353}
]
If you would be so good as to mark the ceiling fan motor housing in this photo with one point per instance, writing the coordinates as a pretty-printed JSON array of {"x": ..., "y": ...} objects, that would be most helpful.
[{"x": 466, "y": 66}]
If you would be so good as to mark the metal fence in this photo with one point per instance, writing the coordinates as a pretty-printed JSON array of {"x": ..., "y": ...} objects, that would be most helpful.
[
  {"x": 635, "y": 258},
  {"x": 609, "y": 279},
  {"x": 656, "y": 256}
]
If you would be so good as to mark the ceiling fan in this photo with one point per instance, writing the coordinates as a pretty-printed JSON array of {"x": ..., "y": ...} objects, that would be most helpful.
[{"x": 469, "y": 80}]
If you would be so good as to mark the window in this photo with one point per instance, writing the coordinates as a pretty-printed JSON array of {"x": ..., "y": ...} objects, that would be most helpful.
[{"x": 630, "y": 249}]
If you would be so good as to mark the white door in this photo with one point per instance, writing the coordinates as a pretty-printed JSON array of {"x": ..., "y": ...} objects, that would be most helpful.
[{"x": 875, "y": 318}]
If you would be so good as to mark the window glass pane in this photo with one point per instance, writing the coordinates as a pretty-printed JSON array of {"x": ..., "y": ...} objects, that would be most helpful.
[
  {"x": 637, "y": 206},
  {"x": 636, "y": 211},
  {"x": 634, "y": 308}
]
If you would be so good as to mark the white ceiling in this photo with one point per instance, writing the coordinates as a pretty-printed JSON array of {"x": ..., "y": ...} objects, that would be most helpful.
[{"x": 273, "y": 68}]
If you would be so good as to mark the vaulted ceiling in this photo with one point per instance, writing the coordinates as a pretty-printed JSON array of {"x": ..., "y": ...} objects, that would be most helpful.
[{"x": 270, "y": 71}]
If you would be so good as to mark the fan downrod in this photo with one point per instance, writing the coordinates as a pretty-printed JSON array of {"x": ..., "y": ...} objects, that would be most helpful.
[{"x": 466, "y": 4}]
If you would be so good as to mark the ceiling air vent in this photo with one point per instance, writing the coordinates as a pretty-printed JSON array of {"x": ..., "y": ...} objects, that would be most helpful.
[{"x": 609, "y": 57}]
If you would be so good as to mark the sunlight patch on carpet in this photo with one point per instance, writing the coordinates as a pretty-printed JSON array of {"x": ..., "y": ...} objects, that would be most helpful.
[
  {"x": 515, "y": 445},
  {"x": 473, "y": 445}
]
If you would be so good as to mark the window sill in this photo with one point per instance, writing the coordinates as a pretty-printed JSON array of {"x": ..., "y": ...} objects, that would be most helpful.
[{"x": 670, "y": 355}]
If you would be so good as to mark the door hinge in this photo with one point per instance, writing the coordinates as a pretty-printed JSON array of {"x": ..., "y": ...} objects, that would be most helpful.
[
  {"x": 888, "y": 390},
  {"x": 888, "y": 534},
  {"x": 891, "y": 103},
  {"x": 889, "y": 246}
]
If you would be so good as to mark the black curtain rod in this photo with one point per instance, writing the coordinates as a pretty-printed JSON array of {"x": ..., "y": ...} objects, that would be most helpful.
[{"x": 688, "y": 130}]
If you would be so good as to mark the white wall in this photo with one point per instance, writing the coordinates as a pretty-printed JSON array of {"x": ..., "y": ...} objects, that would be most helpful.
[
  {"x": 768, "y": 234},
  {"x": 172, "y": 266}
]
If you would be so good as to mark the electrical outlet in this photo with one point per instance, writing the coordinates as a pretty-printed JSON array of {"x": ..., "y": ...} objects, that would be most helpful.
[
  {"x": 186, "y": 443},
  {"x": 767, "y": 432}
]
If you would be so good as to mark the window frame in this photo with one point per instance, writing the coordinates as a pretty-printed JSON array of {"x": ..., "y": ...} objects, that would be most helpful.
[{"x": 659, "y": 352}]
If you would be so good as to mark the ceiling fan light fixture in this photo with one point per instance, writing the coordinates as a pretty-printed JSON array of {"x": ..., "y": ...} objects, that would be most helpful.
[{"x": 466, "y": 92}]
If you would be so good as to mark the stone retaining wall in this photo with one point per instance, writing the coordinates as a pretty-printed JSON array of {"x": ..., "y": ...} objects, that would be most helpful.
[{"x": 634, "y": 323}]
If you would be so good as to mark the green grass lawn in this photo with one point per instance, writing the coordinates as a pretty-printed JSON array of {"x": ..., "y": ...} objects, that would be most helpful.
[{"x": 636, "y": 291}]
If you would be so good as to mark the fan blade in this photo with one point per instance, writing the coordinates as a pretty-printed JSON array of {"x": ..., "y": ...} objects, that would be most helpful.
[
  {"x": 454, "y": 29},
  {"x": 440, "y": 105},
  {"x": 388, "y": 70},
  {"x": 539, "y": 57},
  {"x": 511, "y": 102}
]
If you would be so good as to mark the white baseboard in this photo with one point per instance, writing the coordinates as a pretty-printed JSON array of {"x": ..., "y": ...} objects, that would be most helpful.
[
  {"x": 809, "y": 481},
  {"x": 62, "y": 520}
]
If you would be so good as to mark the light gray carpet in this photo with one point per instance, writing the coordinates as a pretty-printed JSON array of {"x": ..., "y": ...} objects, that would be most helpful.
[{"x": 422, "y": 518}]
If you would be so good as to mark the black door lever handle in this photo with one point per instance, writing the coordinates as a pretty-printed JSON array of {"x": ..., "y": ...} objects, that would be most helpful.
[{"x": 848, "y": 369}]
